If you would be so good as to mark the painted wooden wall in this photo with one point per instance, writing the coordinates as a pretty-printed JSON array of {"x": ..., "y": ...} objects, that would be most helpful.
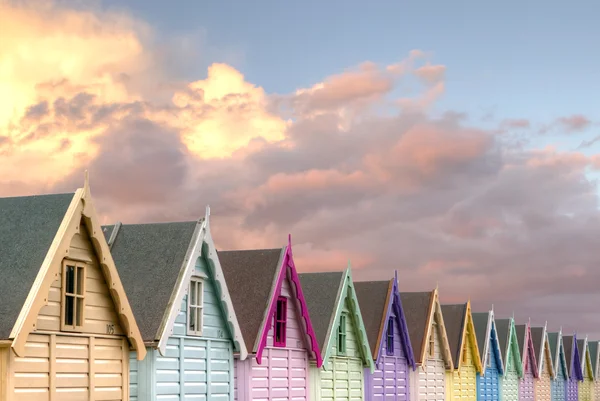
[
  {"x": 432, "y": 377},
  {"x": 391, "y": 376},
  {"x": 488, "y": 385},
  {"x": 543, "y": 385},
  {"x": 3, "y": 371},
  {"x": 283, "y": 372},
  {"x": 559, "y": 383},
  {"x": 586, "y": 387},
  {"x": 341, "y": 378},
  {"x": 194, "y": 367},
  {"x": 70, "y": 366},
  {"x": 526, "y": 384},
  {"x": 571, "y": 389},
  {"x": 509, "y": 388},
  {"x": 464, "y": 382}
]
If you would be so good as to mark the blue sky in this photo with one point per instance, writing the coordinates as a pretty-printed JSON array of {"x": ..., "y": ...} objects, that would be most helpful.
[{"x": 537, "y": 60}]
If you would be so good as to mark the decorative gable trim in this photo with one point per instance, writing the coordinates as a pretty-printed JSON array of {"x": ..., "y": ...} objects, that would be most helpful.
[
  {"x": 560, "y": 360},
  {"x": 346, "y": 290},
  {"x": 586, "y": 360},
  {"x": 469, "y": 327},
  {"x": 597, "y": 357},
  {"x": 578, "y": 373},
  {"x": 545, "y": 355},
  {"x": 487, "y": 343},
  {"x": 202, "y": 245},
  {"x": 513, "y": 348},
  {"x": 529, "y": 351},
  {"x": 287, "y": 261},
  {"x": 81, "y": 207},
  {"x": 397, "y": 304},
  {"x": 435, "y": 312}
]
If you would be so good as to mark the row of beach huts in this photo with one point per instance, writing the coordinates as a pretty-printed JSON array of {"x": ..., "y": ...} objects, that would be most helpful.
[{"x": 154, "y": 312}]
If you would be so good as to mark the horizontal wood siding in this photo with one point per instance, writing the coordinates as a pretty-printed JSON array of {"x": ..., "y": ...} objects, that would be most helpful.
[
  {"x": 488, "y": 385},
  {"x": 62, "y": 365},
  {"x": 99, "y": 306},
  {"x": 390, "y": 379},
  {"x": 432, "y": 376},
  {"x": 543, "y": 389},
  {"x": 559, "y": 384},
  {"x": 133, "y": 374},
  {"x": 510, "y": 380},
  {"x": 3, "y": 372}
]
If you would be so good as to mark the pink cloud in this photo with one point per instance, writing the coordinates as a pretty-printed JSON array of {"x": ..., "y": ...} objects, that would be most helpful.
[
  {"x": 431, "y": 74},
  {"x": 574, "y": 123}
]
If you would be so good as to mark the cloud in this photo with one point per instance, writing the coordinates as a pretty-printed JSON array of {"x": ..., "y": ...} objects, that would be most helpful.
[
  {"x": 574, "y": 123},
  {"x": 519, "y": 123},
  {"x": 351, "y": 166}
]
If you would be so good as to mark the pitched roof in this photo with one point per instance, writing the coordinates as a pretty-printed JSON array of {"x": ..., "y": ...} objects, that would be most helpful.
[
  {"x": 373, "y": 298},
  {"x": 480, "y": 321},
  {"x": 521, "y": 329},
  {"x": 28, "y": 225},
  {"x": 503, "y": 329},
  {"x": 321, "y": 292},
  {"x": 150, "y": 256},
  {"x": 250, "y": 275},
  {"x": 580, "y": 348},
  {"x": 455, "y": 320},
  {"x": 569, "y": 349},
  {"x": 593, "y": 347},
  {"x": 553, "y": 343},
  {"x": 537, "y": 337},
  {"x": 416, "y": 311}
]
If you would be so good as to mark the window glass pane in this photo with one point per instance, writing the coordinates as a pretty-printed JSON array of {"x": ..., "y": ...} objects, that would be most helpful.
[
  {"x": 69, "y": 305},
  {"x": 70, "y": 279},
  {"x": 198, "y": 318},
  {"x": 80, "y": 279},
  {"x": 79, "y": 312},
  {"x": 200, "y": 295},
  {"x": 193, "y": 293}
]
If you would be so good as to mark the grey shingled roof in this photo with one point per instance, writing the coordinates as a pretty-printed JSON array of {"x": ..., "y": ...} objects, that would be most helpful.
[
  {"x": 480, "y": 321},
  {"x": 372, "y": 299},
  {"x": 580, "y": 345},
  {"x": 416, "y": 312},
  {"x": 593, "y": 346},
  {"x": 503, "y": 329},
  {"x": 568, "y": 348},
  {"x": 537, "y": 336},
  {"x": 321, "y": 292},
  {"x": 149, "y": 258},
  {"x": 250, "y": 275},
  {"x": 454, "y": 321},
  {"x": 28, "y": 225},
  {"x": 520, "y": 329},
  {"x": 553, "y": 343}
]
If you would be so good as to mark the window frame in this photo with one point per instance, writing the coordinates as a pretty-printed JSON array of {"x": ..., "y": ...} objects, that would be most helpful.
[
  {"x": 197, "y": 308},
  {"x": 342, "y": 333},
  {"x": 389, "y": 344},
  {"x": 464, "y": 352},
  {"x": 79, "y": 268},
  {"x": 432, "y": 341},
  {"x": 280, "y": 323}
]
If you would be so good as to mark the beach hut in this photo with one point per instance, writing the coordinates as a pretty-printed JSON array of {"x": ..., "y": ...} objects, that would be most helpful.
[
  {"x": 586, "y": 386},
  {"x": 270, "y": 304},
  {"x": 462, "y": 380},
  {"x": 513, "y": 369},
  {"x": 595, "y": 356},
  {"x": 178, "y": 293},
  {"x": 342, "y": 338},
  {"x": 530, "y": 370},
  {"x": 66, "y": 327},
  {"x": 388, "y": 337},
  {"x": 575, "y": 375},
  {"x": 561, "y": 372},
  {"x": 488, "y": 381},
  {"x": 543, "y": 386},
  {"x": 430, "y": 343}
]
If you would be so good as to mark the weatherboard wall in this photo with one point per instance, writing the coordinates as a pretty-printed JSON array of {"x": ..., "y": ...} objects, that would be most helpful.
[
  {"x": 194, "y": 367},
  {"x": 543, "y": 386},
  {"x": 463, "y": 382},
  {"x": 488, "y": 384},
  {"x": 283, "y": 371},
  {"x": 390, "y": 380}
]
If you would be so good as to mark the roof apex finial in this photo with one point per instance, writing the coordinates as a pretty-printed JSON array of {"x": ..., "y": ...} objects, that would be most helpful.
[
  {"x": 492, "y": 307},
  {"x": 86, "y": 183}
]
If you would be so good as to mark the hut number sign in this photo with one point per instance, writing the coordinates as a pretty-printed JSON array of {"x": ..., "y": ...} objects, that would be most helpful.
[{"x": 110, "y": 328}]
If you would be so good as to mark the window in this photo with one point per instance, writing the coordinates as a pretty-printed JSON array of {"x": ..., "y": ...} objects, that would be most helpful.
[
  {"x": 196, "y": 306},
  {"x": 341, "y": 335},
  {"x": 280, "y": 322},
  {"x": 390, "y": 337},
  {"x": 73, "y": 291},
  {"x": 432, "y": 342},
  {"x": 464, "y": 353}
]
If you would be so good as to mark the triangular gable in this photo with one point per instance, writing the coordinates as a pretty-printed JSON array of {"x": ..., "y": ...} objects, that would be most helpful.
[
  {"x": 287, "y": 265},
  {"x": 555, "y": 341},
  {"x": 572, "y": 357},
  {"x": 81, "y": 208},
  {"x": 586, "y": 361},
  {"x": 487, "y": 338},
  {"x": 399, "y": 311},
  {"x": 468, "y": 334},
  {"x": 526, "y": 347},
  {"x": 509, "y": 343},
  {"x": 595, "y": 356},
  {"x": 541, "y": 345},
  {"x": 345, "y": 292},
  {"x": 198, "y": 244},
  {"x": 420, "y": 316}
]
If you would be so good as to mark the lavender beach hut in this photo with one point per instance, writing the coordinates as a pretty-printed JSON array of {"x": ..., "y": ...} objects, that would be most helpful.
[
  {"x": 530, "y": 371},
  {"x": 575, "y": 375},
  {"x": 275, "y": 325},
  {"x": 388, "y": 336}
]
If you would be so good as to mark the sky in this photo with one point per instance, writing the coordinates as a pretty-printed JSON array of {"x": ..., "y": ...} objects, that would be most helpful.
[{"x": 456, "y": 143}]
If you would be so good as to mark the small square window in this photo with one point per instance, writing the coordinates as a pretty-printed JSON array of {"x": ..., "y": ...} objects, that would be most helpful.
[
  {"x": 280, "y": 322},
  {"x": 196, "y": 306},
  {"x": 73, "y": 295},
  {"x": 464, "y": 353},
  {"x": 341, "y": 335},
  {"x": 390, "y": 337}
]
